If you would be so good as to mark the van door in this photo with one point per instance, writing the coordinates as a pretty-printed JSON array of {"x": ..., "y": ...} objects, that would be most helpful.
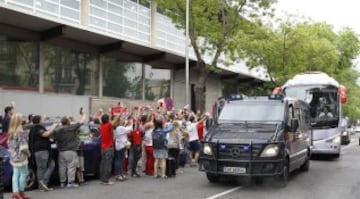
[
  {"x": 290, "y": 139},
  {"x": 301, "y": 137}
]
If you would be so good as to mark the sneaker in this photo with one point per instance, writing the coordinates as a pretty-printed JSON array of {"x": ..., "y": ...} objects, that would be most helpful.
[
  {"x": 135, "y": 175},
  {"x": 164, "y": 177},
  {"x": 44, "y": 187},
  {"x": 108, "y": 183},
  {"x": 124, "y": 176},
  {"x": 72, "y": 185},
  {"x": 120, "y": 178},
  {"x": 62, "y": 185}
]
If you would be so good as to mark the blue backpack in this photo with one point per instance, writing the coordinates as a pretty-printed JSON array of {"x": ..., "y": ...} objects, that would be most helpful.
[{"x": 159, "y": 139}]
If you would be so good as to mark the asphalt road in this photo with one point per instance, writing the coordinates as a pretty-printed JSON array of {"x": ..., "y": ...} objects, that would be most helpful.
[{"x": 328, "y": 178}]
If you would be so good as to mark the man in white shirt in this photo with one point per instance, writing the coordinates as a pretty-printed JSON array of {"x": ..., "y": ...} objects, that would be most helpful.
[
  {"x": 325, "y": 114},
  {"x": 194, "y": 142}
]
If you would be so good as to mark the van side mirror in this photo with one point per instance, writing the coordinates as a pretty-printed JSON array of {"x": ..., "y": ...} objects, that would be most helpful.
[{"x": 294, "y": 125}]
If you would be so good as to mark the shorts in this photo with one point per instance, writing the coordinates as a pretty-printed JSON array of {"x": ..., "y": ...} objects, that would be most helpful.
[
  {"x": 160, "y": 153},
  {"x": 194, "y": 146}
]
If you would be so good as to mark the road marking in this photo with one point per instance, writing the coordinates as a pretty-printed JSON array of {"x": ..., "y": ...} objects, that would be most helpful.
[{"x": 224, "y": 193}]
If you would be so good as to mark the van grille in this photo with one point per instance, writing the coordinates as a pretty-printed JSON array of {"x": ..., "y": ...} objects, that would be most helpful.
[{"x": 237, "y": 151}]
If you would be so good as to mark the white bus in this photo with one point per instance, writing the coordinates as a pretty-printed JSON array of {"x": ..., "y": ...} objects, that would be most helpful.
[{"x": 324, "y": 96}]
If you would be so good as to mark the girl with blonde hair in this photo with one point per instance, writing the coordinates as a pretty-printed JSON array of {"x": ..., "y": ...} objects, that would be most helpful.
[{"x": 19, "y": 154}]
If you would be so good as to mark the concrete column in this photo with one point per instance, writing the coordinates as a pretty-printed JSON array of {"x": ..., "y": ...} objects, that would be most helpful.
[
  {"x": 101, "y": 74},
  {"x": 172, "y": 82},
  {"x": 84, "y": 14},
  {"x": 153, "y": 27},
  {"x": 40, "y": 49},
  {"x": 143, "y": 82}
]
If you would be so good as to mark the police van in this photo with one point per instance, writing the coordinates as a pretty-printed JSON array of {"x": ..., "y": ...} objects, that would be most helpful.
[{"x": 257, "y": 137}]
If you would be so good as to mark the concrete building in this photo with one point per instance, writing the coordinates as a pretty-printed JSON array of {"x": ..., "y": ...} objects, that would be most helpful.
[{"x": 57, "y": 56}]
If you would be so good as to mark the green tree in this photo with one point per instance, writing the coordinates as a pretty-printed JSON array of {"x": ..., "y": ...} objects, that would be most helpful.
[
  {"x": 213, "y": 26},
  {"x": 292, "y": 48}
]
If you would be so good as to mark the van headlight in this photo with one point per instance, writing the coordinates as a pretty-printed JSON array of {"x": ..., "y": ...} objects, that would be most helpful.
[
  {"x": 270, "y": 150},
  {"x": 207, "y": 149}
]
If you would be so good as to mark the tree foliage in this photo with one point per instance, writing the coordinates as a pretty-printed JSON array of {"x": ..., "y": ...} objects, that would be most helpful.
[
  {"x": 213, "y": 26},
  {"x": 292, "y": 48}
]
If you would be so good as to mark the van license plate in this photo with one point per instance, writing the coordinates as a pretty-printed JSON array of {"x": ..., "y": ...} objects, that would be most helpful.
[{"x": 234, "y": 170}]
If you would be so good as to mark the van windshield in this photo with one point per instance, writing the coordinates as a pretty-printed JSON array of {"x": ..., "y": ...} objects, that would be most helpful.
[{"x": 252, "y": 113}]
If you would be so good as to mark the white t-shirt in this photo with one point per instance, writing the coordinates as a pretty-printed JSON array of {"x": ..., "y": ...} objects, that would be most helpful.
[
  {"x": 120, "y": 136},
  {"x": 193, "y": 132},
  {"x": 148, "y": 137}
]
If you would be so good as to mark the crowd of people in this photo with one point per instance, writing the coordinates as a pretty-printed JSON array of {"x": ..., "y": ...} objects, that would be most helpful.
[{"x": 161, "y": 138}]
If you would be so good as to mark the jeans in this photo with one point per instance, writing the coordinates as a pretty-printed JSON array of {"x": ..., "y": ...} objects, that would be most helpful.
[
  {"x": 68, "y": 161},
  {"x": 18, "y": 178},
  {"x": 118, "y": 161},
  {"x": 136, "y": 153},
  {"x": 107, "y": 156},
  {"x": 44, "y": 166}
]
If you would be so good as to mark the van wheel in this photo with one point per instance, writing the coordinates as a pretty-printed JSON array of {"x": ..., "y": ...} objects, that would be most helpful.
[
  {"x": 213, "y": 178},
  {"x": 31, "y": 182},
  {"x": 283, "y": 179},
  {"x": 306, "y": 165}
]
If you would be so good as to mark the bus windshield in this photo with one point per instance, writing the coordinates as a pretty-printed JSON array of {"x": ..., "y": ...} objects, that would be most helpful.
[{"x": 323, "y": 101}]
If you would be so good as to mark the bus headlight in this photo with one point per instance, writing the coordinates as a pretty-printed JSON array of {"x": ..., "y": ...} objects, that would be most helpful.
[
  {"x": 335, "y": 140},
  {"x": 270, "y": 150},
  {"x": 207, "y": 149}
]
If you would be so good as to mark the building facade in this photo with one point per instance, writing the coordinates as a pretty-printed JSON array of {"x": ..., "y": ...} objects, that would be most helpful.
[{"x": 76, "y": 53}]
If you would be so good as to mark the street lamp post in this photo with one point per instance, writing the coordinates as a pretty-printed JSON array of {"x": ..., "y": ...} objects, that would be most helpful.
[{"x": 187, "y": 70}]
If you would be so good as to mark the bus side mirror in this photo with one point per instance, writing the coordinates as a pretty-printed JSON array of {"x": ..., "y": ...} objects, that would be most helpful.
[{"x": 294, "y": 125}]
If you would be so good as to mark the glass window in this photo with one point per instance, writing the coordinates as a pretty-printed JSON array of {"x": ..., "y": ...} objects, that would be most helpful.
[
  {"x": 75, "y": 4},
  {"x": 116, "y": 2},
  {"x": 115, "y": 18},
  {"x": 47, "y": 6},
  {"x": 122, "y": 80},
  {"x": 255, "y": 112},
  {"x": 97, "y": 22},
  {"x": 115, "y": 9},
  {"x": 157, "y": 83},
  {"x": 115, "y": 28},
  {"x": 98, "y": 12},
  {"x": 99, "y": 3},
  {"x": 129, "y": 32},
  {"x": 22, "y": 3},
  {"x": 19, "y": 67},
  {"x": 72, "y": 14},
  {"x": 70, "y": 72}
]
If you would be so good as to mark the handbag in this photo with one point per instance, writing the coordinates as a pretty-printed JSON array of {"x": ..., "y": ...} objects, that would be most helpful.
[{"x": 127, "y": 144}]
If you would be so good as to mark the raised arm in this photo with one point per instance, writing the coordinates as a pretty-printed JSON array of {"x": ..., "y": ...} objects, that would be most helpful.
[{"x": 50, "y": 131}]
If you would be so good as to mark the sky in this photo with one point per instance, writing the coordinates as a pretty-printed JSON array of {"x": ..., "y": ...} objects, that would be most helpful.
[
  {"x": 340, "y": 14},
  {"x": 344, "y": 13}
]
